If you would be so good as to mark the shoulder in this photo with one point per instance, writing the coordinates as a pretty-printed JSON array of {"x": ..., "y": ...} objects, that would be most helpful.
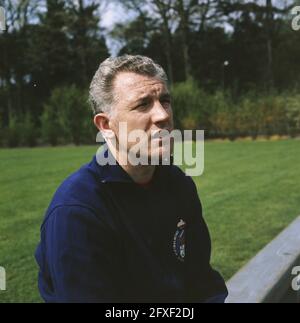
[
  {"x": 71, "y": 219},
  {"x": 77, "y": 188},
  {"x": 80, "y": 193}
]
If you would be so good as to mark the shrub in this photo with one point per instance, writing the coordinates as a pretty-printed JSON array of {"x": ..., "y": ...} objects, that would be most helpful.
[
  {"x": 73, "y": 113},
  {"x": 12, "y": 132},
  {"x": 249, "y": 117},
  {"x": 190, "y": 106},
  {"x": 292, "y": 106},
  {"x": 29, "y": 132},
  {"x": 67, "y": 117},
  {"x": 50, "y": 128},
  {"x": 222, "y": 118},
  {"x": 273, "y": 115}
]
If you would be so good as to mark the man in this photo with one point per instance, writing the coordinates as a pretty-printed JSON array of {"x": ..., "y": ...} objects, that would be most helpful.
[{"x": 121, "y": 232}]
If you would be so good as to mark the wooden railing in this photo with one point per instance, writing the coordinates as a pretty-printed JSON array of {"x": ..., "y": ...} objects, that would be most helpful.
[{"x": 273, "y": 275}]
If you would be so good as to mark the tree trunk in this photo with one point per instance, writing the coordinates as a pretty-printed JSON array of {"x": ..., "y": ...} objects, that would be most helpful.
[
  {"x": 269, "y": 33},
  {"x": 163, "y": 9},
  {"x": 168, "y": 44},
  {"x": 184, "y": 30}
]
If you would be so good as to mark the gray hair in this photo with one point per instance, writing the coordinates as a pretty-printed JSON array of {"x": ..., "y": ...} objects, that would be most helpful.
[{"x": 101, "y": 95}]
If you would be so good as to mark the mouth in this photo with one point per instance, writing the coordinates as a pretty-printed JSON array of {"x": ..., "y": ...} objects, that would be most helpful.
[{"x": 160, "y": 134}]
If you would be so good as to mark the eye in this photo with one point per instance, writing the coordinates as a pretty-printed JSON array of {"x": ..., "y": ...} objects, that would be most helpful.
[
  {"x": 166, "y": 103},
  {"x": 143, "y": 105}
]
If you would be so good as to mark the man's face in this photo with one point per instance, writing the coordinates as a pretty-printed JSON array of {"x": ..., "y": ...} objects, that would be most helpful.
[{"x": 143, "y": 103}]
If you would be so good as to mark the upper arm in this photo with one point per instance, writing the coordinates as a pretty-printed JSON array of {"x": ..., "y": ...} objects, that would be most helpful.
[
  {"x": 203, "y": 282},
  {"x": 80, "y": 251}
]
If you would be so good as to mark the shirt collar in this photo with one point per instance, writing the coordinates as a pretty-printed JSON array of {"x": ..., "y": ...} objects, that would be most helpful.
[{"x": 113, "y": 172}]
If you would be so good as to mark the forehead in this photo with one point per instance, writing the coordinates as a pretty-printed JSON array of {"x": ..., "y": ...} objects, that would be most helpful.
[{"x": 129, "y": 86}]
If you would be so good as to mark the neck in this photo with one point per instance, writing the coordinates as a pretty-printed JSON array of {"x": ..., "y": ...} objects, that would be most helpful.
[{"x": 139, "y": 173}]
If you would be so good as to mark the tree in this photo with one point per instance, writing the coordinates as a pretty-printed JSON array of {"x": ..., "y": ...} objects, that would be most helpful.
[
  {"x": 266, "y": 17},
  {"x": 87, "y": 43}
]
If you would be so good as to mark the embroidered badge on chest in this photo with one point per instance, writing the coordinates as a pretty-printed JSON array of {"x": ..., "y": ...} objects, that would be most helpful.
[{"x": 179, "y": 241}]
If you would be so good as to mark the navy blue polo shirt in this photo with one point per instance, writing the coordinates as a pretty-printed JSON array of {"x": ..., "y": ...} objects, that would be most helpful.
[{"x": 107, "y": 239}]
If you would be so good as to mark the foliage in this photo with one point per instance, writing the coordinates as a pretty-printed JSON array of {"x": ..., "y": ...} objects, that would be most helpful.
[
  {"x": 67, "y": 117},
  {"x": 231, "y": 64},
  {"x": 12, "y": 133},
  {"x": 29, "y": 132}
]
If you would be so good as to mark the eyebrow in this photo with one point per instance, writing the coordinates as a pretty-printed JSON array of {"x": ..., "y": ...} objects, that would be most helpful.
[{"x": 164, "y": 95}]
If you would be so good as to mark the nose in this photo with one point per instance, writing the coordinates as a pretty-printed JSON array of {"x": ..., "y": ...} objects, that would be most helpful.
[{"x": 160, "y": 113}]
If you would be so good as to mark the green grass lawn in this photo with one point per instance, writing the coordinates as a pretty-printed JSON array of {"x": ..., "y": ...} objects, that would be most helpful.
[{"x": 250, "y": 191}]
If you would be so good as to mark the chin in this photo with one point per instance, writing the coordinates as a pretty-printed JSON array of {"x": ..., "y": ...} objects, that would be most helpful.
[{"x": 159, "y": 153}]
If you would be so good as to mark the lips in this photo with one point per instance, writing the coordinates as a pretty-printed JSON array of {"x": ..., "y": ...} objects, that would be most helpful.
[{"x": 160, "y": 134}]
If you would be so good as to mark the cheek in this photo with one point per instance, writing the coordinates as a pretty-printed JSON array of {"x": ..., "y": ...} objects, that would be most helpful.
[
  {"x": 131, "y": 122},
  {"x": 142, "y": 122}
]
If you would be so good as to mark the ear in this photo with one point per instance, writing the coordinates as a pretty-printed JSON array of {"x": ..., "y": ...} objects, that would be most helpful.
[{"x": 102, "y": 122}]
